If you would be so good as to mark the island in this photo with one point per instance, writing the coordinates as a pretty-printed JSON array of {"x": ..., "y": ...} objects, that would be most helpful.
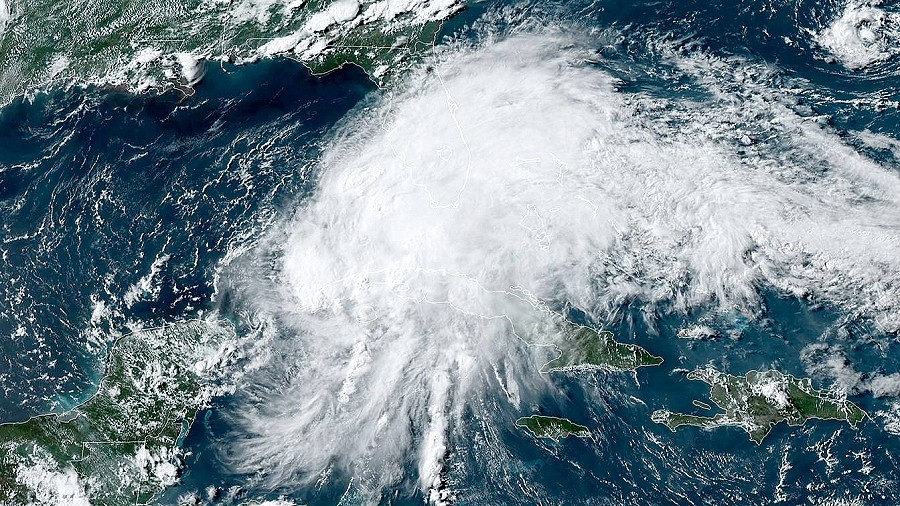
[
  {"x": 583, "y": 348},
  {"x": 578, "y": 347},
  {"x": 758, "y": 400},
  {"x": 121, "y": 445},
  {"x": 552, "y": 427}
]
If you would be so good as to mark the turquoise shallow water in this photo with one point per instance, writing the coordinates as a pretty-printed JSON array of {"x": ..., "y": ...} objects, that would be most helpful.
[
  {"x": 99, "y": 185},
  {"x": 116, "y": 209}
]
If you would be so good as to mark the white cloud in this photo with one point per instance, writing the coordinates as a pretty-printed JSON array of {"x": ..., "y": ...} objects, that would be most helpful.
[
  {"x": 863, "y": 34},
  {"x": 517, "y": 175},
  {"x": 53, "y": 487},
  {"x": 831, "y": 362},
  {"x": 4, "y": 15}
]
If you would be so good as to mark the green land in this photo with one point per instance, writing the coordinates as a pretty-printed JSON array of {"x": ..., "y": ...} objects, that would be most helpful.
[
  {"x": 368, "y": 47},
  {"x": 583, "y": 348},
  {"x": 758, "y": 400},
  {"x": 120, "y": 446},
  {"x": 132, "y": 44},
  {"x": 579, "y": 348},
  {"x": 552, "y": 427}
]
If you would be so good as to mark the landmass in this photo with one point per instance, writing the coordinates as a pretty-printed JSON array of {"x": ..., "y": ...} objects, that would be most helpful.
[
  {"x": 120, "y": 446},
  {"x": 583, "y": 348},
  {"x": 580, "y": 349},
  {"x": 552, "y": 427},
  {"x": 377, "y": 53},
  {"x": 701, "y": 404},
  {"x": 758, "y": 400},
  {"x": 153, "y": 46}
]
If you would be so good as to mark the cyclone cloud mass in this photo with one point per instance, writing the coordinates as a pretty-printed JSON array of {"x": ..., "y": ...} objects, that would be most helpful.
[{"x": 520, "y": 173}]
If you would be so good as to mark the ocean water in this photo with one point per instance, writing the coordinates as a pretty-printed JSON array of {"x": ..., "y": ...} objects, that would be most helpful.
[
  {"x": 117, "y": 208},
  {"x": 743, "y": 173}
]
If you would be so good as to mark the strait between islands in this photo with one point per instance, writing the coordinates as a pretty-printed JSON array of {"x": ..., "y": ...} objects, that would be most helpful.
[
  {"x": 754, "y": 402},
  {"x": 122, "y": 444}
]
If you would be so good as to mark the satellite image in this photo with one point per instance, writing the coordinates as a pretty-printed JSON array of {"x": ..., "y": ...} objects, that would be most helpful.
[{"x": 449, "y": 252}]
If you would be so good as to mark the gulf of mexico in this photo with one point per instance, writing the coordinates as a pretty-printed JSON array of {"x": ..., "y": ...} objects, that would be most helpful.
[{"x": 116, "y": 208}]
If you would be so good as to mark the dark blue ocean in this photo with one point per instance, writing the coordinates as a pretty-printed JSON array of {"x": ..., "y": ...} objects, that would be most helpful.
[{"x": 116, "y": 208}]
